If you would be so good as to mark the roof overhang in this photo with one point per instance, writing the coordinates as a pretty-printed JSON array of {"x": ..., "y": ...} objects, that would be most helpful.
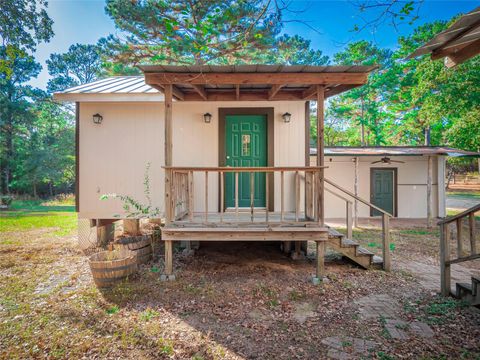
[
  {"x": 396, "y": 151},
  {"x": 460, "y": 42},
  {"x": 254, "y": 82},
  {"x": 112, "y": 89}
]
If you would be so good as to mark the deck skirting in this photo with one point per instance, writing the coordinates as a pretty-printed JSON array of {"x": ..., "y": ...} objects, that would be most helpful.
[{"x": 244, "y": 234}]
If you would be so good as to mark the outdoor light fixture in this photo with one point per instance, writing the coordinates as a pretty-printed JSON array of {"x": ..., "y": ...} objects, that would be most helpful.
[
  {"x": 286, "y": 117},
  {"x": 207, "y": 117},
  {"x": 97, "y": 118}
]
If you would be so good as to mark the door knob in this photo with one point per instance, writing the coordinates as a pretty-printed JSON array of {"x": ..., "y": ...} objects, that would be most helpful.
[{"x": 228, "y": 157}]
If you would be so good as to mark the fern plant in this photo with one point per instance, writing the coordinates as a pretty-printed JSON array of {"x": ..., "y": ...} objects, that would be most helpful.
[{"x": 134, "y": 208}]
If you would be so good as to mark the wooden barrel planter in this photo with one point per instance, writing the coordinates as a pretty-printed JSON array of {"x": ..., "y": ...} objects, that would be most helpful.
[
  {"x": 141, "y": 246},
  {"x": 111, "y": 267}
]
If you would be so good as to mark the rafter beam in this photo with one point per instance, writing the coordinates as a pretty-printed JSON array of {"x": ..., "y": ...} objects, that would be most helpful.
[
  {"x": 256, "y": 78},
  {"x": 308, "y": 93},
  {"x": 177, "y": 93},
  {"x": 200, "y": 89},
  {"x": 274, "y": 90},
  {"x": 338, "y": 90},
  {"x": 215, "y": 95}
]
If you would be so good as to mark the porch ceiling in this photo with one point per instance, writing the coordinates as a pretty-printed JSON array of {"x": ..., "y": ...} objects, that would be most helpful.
[{"x": 254, "y": 82}]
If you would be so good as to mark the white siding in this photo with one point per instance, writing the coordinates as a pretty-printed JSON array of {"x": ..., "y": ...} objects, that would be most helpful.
[
  {"x": 113, "y": 155},
  {"x": 412, "y": 184}
]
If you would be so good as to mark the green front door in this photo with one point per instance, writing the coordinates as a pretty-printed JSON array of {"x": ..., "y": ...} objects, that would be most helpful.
[
  {"x": 245, "y": 146},
  {"x": 383, "y": 187}
]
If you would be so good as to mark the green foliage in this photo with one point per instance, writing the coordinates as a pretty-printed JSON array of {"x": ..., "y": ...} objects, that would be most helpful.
[
  {"x": 113, "y": 310},
  {"x": 6, "y": 200},
  {"x": 134, "y": 208},
  {"x": 81, "y": 64},
  {"x": 23, "y": 25},
  {"x": 208, "y": 32},
  {"x": 407, "y": 101}
]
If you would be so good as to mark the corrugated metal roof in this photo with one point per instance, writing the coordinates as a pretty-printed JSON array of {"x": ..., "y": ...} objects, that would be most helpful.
[
  {"x": 463, "y": 32},
  {"x": 395, "y": 151},
  {"x": 114, "y": 85},
  {"x": 255, "y": 69}
]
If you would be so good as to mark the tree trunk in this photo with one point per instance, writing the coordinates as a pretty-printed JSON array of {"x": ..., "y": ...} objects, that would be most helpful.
[
  {"x": 5, "y": 164},
  {"x": 50, "y": 188},
  {"x": 427, "y": 136}
]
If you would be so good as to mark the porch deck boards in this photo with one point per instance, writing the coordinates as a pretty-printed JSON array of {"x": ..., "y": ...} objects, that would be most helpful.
[{"x": 244, "y": 219}]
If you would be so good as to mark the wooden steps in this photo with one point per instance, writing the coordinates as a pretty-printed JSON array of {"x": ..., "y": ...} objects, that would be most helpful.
[
  {"x": 470, "y": 292},
  {"x": 353, "y": 250}
]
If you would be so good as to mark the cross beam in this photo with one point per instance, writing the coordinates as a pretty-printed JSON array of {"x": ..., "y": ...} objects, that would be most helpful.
[{"x": 256, "y": 78}]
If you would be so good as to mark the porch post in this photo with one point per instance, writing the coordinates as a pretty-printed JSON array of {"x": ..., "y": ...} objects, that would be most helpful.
[
  {"x": 320, "y": 152},
  {"x": 168, "y": 92}
]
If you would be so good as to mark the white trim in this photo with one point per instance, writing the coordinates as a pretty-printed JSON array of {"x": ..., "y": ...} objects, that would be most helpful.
[{"x": 118, "y": 97}]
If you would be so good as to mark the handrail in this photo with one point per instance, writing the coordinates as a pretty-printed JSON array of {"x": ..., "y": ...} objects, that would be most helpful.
[
  {"x": 451, "y": 219},
  {"x": 385, "y": 223},
  {"x": 446, "y": 260},
  {"x": 245, "y": 169},
  {"x": 338, "y": 195},
  {"x": 357, "y": 198},
  {"x": 348, "y": 212}
]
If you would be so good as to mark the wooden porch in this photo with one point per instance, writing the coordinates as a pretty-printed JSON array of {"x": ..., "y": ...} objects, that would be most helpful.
[
  {"x": 304, "y": 220},
  {"x": 304, "y": 223}
]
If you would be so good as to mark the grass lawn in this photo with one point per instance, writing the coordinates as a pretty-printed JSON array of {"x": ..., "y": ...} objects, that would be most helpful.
[
  {"x": 464, "y": 194},
  {"x": 59, "y": 219}
]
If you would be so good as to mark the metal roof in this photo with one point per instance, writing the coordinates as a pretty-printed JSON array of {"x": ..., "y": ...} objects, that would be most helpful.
[
  {"x": 395, "y": 151},
  {"x": 256, "y": 69},
  {"x": 462, "y": 33},
  {"x": 114, "y": 85}
]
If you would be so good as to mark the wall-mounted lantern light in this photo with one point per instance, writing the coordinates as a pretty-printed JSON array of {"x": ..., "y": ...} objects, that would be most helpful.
[
  {"x": 207, "y": 117},
  {"x": 287, "y": 117},
  {"x": 97, "y": 118}
]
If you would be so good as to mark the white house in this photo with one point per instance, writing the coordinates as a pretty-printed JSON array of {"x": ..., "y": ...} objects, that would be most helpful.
[{"x": 228, "y": 147}]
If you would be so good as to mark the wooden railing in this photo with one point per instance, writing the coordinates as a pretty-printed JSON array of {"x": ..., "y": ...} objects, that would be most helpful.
[
  {"x": 348, "y": 212},
  {"x": 180, "y": 193},
  {"x": 446, "y": 260},
  {"x": 385, "y": 221}
]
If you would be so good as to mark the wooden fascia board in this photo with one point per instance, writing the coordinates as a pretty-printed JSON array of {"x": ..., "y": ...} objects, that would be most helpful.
[
  {"x": 457, "y": 56},
  {"x": 446, "y": 44},
  {"x": 256, "y": 78}
]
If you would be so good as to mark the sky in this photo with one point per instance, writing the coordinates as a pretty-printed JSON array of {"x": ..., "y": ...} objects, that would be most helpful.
[{"x": 85, "y": 21}]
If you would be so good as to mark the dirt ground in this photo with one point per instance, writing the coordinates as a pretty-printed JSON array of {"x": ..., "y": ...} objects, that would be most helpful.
[{"x": 230, "y": 301}]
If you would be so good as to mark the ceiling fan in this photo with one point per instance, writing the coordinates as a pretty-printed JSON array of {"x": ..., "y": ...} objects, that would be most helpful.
[{"x": 387, "y": 160}]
